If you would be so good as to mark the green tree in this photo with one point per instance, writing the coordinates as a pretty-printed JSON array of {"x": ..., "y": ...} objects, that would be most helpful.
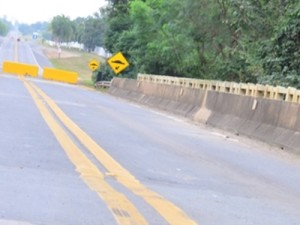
[
  {"x": 281, "y": 55},
  {"x": 93, "y": 32},
  {"x": 117, "y": 20},
  {"x": 233, "y": 40},
  {"x": 3, "y": 28},
  {"x": 117, "y": 33},
  {"x": 158, "y": 47},
  {"x": 62, "y": 28},
  {"x": 79, "y": 25}
]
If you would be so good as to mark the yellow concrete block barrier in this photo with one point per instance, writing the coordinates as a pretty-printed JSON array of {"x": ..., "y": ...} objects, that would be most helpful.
[
  {"x": 60, "y": 75},
  {"x": 20, "y": 69}
]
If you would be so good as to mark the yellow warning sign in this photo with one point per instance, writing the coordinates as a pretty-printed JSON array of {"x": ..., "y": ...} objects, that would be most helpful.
[
  {"x": 94, "y": 64},
  {"x": 118, "y": 62}
]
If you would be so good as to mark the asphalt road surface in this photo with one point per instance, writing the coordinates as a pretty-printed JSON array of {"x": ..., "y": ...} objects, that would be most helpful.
[{"x": 74, "y": 156}]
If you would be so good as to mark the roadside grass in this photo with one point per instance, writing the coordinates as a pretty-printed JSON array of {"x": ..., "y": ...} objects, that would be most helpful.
[{"x": 76, "y": 61}]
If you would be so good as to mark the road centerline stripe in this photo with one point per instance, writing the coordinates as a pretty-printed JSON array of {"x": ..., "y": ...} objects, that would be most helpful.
[
  {"x": 16, "y": 52},
  {"x": 122, "y": 209},
  {"x": 170, "y": 212}
]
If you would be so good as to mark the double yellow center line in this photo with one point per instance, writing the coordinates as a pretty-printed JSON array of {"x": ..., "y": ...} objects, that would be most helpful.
[{"x": 121, "y": 207}]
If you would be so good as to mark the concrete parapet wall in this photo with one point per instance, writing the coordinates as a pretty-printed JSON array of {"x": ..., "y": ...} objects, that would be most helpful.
[
  {"x": 271, "y": 121},
  {"x": 182, "y": 101},
  {"x": 276, "y": 122}
]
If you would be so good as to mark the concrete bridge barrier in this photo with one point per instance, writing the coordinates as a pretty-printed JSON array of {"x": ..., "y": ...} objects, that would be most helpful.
[{"x": 245, "y": 111}]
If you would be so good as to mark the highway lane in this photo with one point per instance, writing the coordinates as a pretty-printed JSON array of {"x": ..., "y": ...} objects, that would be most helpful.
[
  {"x": 38, "y": 184},
  {"x": 30, "y": 52},
  {"x": 209, "y": 176},
  {"x": 24, "y": 51},
  {"x": 39, "y": 56},
  {"x": 119, "y": 208},
  {"x": 7, "y": 50},
  {"x": 216, "y": 179},
  {"x": 123, "y": 211}
]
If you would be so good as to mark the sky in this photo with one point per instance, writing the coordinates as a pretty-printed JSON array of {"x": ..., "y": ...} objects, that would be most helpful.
[{"x": 32, "y": 11}]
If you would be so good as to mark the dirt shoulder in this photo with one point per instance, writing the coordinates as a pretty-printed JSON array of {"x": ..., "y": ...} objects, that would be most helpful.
[{"x": 52, "y": 53}]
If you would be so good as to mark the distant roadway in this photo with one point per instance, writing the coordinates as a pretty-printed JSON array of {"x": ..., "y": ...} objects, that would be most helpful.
[{"x": 74, "y": 156}]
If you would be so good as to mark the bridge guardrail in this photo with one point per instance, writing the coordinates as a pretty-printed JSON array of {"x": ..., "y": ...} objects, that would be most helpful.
[
  {"x": 247, "y": 89},
  {"x": 102, "y": 84}
]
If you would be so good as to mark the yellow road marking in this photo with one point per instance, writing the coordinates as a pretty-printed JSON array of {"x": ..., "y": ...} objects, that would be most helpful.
[
  {"x": 123, "y": 210},
  {"x": 172, "y": 214},
  {"x": 16, "y": 55}
]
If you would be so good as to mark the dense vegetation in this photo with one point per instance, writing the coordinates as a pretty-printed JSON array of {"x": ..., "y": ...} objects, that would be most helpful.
[
  {"x": 88, "y": 31},
  {"x": 235, "y": 40}
]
